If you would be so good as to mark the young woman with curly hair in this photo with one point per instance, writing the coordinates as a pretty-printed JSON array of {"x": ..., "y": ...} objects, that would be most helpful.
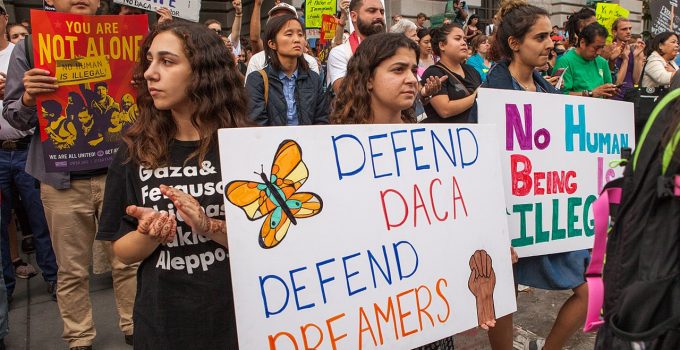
[{"x": 162, "y": 204}]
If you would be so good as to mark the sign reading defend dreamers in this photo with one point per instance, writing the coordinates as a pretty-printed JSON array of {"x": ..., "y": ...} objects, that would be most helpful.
[
  {"x": 364, "y": 236},
  {"x": 557, "y": 150}
]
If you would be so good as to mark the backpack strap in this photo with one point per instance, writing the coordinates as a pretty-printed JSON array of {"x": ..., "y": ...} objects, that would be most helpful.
[
  {"x": 611, "y": 195},
  {"x": 28, "y": 50},
  {"x": 265, "y": 78},
  {"x": 670, "y": 97}
]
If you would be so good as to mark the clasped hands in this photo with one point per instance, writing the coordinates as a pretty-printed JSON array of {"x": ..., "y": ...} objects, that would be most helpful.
[{"x": 162, "y": 226}]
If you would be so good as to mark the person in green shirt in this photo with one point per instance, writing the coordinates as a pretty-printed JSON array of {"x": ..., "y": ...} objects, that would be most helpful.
[{"x": 586, "y": 73}]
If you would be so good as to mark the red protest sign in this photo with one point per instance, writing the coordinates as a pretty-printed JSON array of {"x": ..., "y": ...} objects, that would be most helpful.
[
  {"x": 329, "y": 25},
  {"x": 93, "y": 58}
]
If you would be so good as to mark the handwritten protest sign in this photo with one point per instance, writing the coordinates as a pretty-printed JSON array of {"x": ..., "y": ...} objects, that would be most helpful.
[
  {"x": 315, "y": 9},
  {"x": 557, "y": 150},
  {"x": 92, "y": 58},
  {"x": 364, "y": 237},
  {"x": 186, "y": 9},
  {"x": 608, "y": 13},
  {"x": 665, "y": 17}
]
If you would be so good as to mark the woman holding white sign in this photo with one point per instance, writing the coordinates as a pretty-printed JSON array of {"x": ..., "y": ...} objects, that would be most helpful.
[
  {"x": 190, "y": 89},
  {"x": 380, "y": 88},
  {"x": 523, "y": 43}
]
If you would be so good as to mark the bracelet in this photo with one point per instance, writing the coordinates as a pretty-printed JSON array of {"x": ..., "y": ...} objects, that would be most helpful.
[{"x": 238, "y": 15}]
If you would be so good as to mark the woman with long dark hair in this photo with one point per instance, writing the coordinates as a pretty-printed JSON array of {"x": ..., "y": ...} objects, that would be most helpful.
[
  {"x": 190, "y": 90},
  {"x": 286, "y": 92},
  {"x": 456, "y": 98},
  {"x": 523, "y": 43},
  {"x": 380, "y": 88},
  {"x": 661, "y": 67}
]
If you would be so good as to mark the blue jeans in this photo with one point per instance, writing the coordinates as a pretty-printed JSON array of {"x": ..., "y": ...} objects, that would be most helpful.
[
  {"x": 4, "y": 305},
  {"x": 12, "y": 165}
]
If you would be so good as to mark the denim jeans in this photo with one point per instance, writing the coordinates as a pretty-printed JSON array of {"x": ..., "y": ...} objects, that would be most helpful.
[
  {"x": 4, "y": 305},
  {"x": 12, "y": 164}
]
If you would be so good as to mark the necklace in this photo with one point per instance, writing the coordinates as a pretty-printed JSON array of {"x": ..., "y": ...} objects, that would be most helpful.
[{"x": 520, "y": 84}]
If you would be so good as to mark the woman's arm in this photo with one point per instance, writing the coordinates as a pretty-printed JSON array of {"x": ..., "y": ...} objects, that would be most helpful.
[
  {"x": 235, "y": 35},
  {"x": 447, "y": 108},
  {"x": 656, "y": 71},
  {"x": 255, "y": 27}
]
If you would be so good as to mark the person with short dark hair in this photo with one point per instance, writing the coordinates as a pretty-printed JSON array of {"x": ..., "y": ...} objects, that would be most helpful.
[
  {"x": 586, "y": 73},
  {"x": 661, "y": 66},
  {"x": 16, "y": 32},
  {"x": 455, "y": 101},
  {"x": 421, "y": 18},
  {"x": 286, "y": 92}
]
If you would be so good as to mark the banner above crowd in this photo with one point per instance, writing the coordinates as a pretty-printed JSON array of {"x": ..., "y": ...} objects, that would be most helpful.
[
  {"x": 557, "y": 151},
  {"x": 315, "y": 9},
  {"x": 378, "y": 237},
  {"x": 92, "y": 58},
  {"x": 186, "y": 9}
]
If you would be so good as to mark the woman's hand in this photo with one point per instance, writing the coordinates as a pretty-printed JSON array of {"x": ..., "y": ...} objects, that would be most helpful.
[
  {"x": 432, "y": 85},
  {"x": 161, "y": 226},
  {"x": 189, "y": 208},
  {"x": 164, "y": 15}
]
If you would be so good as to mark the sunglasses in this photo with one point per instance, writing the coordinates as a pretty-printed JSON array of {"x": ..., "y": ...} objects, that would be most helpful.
[{"x": 218, "y": 31}]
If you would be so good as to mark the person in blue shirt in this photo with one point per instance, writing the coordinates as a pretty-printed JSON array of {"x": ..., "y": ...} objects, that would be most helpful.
[
  {"x": 286, "y": 91},
  {"x": 480, "y": 55}
]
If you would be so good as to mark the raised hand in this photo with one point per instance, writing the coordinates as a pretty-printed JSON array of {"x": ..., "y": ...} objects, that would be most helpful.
[
  {"x": 481, "y": 283},
  {"x": 159, "y": 225},
  {"x": 238, "y": 8},
  {"x": 164, "y": 15}
]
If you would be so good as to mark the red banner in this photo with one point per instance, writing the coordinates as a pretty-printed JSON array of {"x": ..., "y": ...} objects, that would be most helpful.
[{"x": 93, "y": 58}]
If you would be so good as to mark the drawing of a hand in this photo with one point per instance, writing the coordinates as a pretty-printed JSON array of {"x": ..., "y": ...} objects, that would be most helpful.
[{"x": 481, "y": 283}]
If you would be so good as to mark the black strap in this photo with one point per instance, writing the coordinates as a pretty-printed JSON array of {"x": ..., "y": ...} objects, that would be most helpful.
[
  {"x": 642, "y": 73},
  {"x": 28, "y": 42},
  {"x": 452, "y": 75}
]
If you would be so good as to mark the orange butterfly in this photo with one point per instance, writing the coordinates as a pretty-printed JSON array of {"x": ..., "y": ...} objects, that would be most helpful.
[{"x": 276, "y": 197}]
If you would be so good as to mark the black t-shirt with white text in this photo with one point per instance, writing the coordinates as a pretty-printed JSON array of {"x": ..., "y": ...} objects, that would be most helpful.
[{"x": 184, "y": 297}]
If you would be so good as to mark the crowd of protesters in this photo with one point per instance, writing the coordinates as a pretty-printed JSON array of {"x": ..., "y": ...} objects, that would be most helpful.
[{"x": 274, "y": 77}]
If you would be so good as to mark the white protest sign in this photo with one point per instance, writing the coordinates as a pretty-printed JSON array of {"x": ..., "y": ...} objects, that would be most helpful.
[
  {"x": 400, "y": 236},
  {"x": 186, "y": 9},
  {"x": 556, "y": 151}
]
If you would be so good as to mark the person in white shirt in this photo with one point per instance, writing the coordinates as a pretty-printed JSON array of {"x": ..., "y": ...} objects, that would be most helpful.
[
  {"x": 235, "y": 35},
  {"x": 368, "y": 18},
  {"x": 259, "y": 59}
]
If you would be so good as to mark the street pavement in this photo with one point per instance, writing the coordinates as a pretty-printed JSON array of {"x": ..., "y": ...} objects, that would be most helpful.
[{"x": 35, "y": 322}]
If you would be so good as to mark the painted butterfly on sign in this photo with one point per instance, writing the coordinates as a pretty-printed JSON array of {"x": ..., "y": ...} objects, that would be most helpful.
[{"x": 276, "y": 197}]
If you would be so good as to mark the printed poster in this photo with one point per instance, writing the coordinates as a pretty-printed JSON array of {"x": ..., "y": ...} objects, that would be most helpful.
[
  {"x": 92, "y": 58},
  {"x": 557, "y": 154},
  {"x": 315, "y": 9},
  {"x": 665, "y": 16},
  {"x": 364, "y": 236},
  {"x": 185, "y": 9}
]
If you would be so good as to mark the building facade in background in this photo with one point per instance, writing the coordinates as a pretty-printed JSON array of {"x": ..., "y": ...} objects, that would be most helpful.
[{"x": 485, "y": 9}]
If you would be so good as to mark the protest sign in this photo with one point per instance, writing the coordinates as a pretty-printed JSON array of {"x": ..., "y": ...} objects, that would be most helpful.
[
  {"x": 398, "y": 235},
  {"x": 556, "y": 158},
  {"x": 92, "y": 58},
  {"x": 608, "y": 13},
  {"x": 315, "y": 9},
  {"x": 664, "y": 16},
  {"x": 186, "y": 9},
  {"x": 329, "y": 25}
]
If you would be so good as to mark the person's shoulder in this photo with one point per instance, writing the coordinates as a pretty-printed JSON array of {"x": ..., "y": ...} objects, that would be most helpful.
[
  {"x": 433, "y": 70},
  {"x": 601, "y": 61},
  {"x": 342, "y": 50}
]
